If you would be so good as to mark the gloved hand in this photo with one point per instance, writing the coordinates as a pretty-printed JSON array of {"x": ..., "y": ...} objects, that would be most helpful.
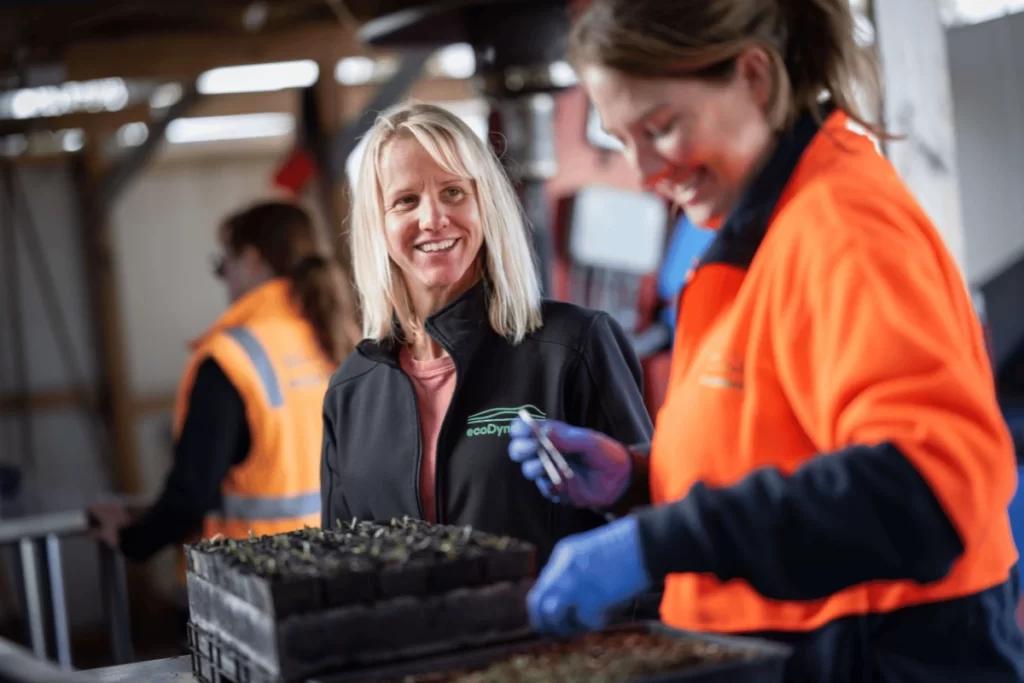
[
  {"x": 602, "y": 465},
  {"x": 588, "y": 575}
]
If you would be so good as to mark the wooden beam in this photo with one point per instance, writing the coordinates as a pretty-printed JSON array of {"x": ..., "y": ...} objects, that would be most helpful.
[
  {"x": 352, "y": 103},
  {"x": 183, "y": 56},
  {"x": 348, "y": 102},
  {"x": 110, "y": 120},
  {"x": 284, "y": 101},
  {"x": 108, "y": 325},
  {"x": 12, "y": 284},
  {"x": 107, "y": 122},
  {"x": 155, "y": 403},
  {"x": 428, "y": 90},
  {"x": 44, "y": 400},
  {"x": 105, "y": 190},
  {"x": 331, "y": 101},
  {"x": 56, "y": 160},
  {"x": 187, "y": 157}
]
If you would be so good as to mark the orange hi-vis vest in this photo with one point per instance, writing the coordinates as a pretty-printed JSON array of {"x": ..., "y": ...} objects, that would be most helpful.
[
  {"x": 831, "y": 320},
  {"x": 271, "y": 356}
]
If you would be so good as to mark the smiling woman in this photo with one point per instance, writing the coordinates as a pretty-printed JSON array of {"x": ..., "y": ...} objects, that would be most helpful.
[
  {"x": 830, "y": 467},
  {"x": 457, "y": 341},
  {"x": 432, "y": 223},
  {"x": 425, "y": 174}
]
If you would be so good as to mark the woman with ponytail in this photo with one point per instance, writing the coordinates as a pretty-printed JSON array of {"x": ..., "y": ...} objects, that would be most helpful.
[
  {"x": 830, "y": 467},
  {"x": 248, "y": 419}
]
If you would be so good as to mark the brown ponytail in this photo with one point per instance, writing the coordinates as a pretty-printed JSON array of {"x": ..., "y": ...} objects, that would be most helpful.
[
  {"x": 822, "y": 55},
  {"x": 811, "y": 42},
  {"x": 284, "y": 236},
  {"x": 316, "y": 282}
]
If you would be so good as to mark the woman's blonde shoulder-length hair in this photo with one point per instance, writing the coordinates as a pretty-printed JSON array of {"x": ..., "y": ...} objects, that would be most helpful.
[{"x": 506, "y": 256}]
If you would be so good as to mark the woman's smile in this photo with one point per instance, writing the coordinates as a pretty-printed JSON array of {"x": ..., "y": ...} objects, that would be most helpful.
[{"x": 437, "y": 246}]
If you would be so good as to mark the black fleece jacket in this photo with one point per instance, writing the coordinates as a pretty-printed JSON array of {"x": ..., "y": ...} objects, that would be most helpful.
[{"x": 579, "y": 367}]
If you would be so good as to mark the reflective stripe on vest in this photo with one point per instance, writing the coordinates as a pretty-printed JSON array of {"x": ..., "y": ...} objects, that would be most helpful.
[
  {"x": 251, "y": 508},
  {"x": 258, "y": 356}
]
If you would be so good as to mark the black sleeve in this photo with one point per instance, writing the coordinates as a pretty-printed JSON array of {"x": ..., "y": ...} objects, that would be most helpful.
[
  {"x": 638, "y": 493},
  {"x": 332, "y": 501},
  {"x": 214, "y": 437},
  {"x": 842, "y": 519},
  {"x": 607, "y": 396}
]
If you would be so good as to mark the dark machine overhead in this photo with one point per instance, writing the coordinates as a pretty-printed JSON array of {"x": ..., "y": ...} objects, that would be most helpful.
[
  {"x": 507, "y": 34},
  {"x": 516, "y": 44}
]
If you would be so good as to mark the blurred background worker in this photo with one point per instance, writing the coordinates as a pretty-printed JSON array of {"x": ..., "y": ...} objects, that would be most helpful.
[
  {"x": 830, "y": 466},
  {"x": 247, "y": 424}
]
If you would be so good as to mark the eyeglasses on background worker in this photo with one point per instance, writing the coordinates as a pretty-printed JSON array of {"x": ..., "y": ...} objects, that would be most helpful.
[
  {"x": 830, "y": 467},
  {"x": 416, "y": 421},
  {"x": 247, "y": 424}
]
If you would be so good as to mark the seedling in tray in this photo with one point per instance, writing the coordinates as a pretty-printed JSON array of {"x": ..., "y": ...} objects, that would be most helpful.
[
  {"x": 358, "y": 562},
  {"x": 606, "y": 657}
]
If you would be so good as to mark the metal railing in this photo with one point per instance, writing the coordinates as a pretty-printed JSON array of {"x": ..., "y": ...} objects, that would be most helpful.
[
  {"x": 37, "y": 539},
  {"x": 17, "y": 665}
]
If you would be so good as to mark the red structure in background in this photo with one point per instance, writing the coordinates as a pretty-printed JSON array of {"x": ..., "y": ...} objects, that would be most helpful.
[
  {"x": 295, "y": 172},
  {"x": 656, "y": 367},
  {"x": 581, "y": 164},
  {"x": 577, "y": 6}
]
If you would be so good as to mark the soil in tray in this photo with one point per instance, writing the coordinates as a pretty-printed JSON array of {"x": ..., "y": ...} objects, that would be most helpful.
[
  {"x": 359, "y": 562},
  {"x": 593, "y": 658}
]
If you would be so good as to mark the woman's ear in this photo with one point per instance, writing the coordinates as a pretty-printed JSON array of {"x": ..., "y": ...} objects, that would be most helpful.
[
  {"x": 253, "y": 263},
  {"x": 754, "y": 71}
]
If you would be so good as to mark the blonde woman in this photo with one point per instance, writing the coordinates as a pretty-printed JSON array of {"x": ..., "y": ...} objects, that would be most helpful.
[{"x": 458, "y": 339}]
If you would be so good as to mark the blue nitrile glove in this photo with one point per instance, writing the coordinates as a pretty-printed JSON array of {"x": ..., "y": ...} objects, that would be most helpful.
[
  {"x": 588, "y": 576},
  {"x": 602, "y": 465}
]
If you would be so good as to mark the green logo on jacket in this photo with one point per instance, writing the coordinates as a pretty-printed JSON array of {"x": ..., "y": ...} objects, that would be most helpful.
[{"x": 495, "y": 422}]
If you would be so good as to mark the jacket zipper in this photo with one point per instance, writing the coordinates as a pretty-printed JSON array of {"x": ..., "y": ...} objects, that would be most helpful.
[
  {"x": 438, "y": 507},
  {"x": 419, "y": 448},
  {"x": 438, "y": 489},
  {"x": 439, "y": 516}
]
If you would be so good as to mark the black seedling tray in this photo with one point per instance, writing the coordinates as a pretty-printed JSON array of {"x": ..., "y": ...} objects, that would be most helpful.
[
  {"x": 757, "y": 661},
  {"x": 216, "y": 662},
  {"x": 400, "y": 628},
  {"x": 328, "y": 572}
]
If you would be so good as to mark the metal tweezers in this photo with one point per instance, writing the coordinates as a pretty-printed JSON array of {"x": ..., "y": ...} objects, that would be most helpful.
[
  {"x": 554, "y": 463},
  {"x": 551, "y": 459}
]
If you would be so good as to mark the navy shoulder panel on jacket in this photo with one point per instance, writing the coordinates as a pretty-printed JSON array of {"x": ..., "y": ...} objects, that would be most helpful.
[
  {"x": 355, "y": 366},
  {"x": 566, "y": 324}
]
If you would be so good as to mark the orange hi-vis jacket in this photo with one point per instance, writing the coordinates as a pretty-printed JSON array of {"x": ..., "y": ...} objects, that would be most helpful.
[
  {"x": 271, "y": 356},
  {"x": 830, "y": 446}
]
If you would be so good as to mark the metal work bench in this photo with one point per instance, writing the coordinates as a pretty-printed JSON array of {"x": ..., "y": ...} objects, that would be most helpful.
[
  {"x": 37, "y": 538},
  {"x": 171, "y": 670},
  {"x": 18, "y": 665}
]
